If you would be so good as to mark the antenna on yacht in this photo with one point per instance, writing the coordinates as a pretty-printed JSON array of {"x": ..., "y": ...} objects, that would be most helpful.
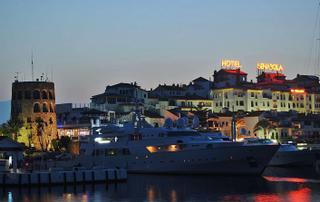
[
  {"x": 137, "y": 112},
  {"x": 233, "y": 126}
]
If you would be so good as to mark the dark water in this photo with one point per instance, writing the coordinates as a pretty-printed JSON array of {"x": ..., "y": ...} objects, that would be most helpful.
[{"x": 299, "y": 184}]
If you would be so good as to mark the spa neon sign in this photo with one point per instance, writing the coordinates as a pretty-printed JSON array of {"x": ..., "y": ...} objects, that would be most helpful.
[{"x": 270, "y": 67}]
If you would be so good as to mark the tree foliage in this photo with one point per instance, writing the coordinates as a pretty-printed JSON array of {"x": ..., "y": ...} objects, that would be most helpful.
[
  {"x": 62, "y": 144},
  {"x": 12, "y": 127},
  {"x": 40, "y": 123},
  {"x": 202, "y": 114}
]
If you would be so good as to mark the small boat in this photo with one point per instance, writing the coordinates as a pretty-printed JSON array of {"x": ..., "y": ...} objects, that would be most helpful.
[{"x": 288, "y": 154}]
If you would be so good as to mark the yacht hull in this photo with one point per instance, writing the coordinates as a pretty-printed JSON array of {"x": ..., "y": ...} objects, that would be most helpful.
[
  {"x": 220, "y": 159},
  {"x": 295, "y": 158}
]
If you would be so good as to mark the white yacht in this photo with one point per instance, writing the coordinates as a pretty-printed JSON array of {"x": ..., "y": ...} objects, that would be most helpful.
[
  {"x": 288, "y": 154},
  {"x": 172, "y": 150}
]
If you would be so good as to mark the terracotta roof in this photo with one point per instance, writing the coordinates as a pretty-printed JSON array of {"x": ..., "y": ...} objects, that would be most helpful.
[{"x": 234, "y": 71}]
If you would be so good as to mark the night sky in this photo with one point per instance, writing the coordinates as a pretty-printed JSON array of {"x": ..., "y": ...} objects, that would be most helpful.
[{"x": 90, "y": 44}]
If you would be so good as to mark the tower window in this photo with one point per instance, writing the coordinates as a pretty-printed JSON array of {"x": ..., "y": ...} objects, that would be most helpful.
[
  {"x": 36, "y": 94},
  {"x": 44, "y": 95},
  {"x": 51, "y": 95},
  {"x": 36, "y": 108},
  {"x": 44, "y": 108}
]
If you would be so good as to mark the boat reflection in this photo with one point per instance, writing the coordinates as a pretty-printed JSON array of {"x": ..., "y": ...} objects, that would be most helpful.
[
  {"x": 295, "y": 174},
  {"x": 175, "y": 188}
]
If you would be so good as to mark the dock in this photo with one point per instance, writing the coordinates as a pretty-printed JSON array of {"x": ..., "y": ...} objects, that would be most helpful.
[{"x": 52, "y": 177}]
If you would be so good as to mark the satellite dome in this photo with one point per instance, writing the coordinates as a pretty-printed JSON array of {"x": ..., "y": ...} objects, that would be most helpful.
[
  {"x": 181, "y": 123},
  {"x": 168, "y": 123},
  {"x": 195, "y": 122}
]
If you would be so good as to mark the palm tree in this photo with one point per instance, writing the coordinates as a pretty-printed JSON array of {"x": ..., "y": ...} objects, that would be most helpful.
[
  {"x": 40, "y": 129},
  {"x": 12, "y": 127},
  {"x": 50, "y": 135},
  {"x": 265, "y": 125},
  {"x": 202, "y": 114}
]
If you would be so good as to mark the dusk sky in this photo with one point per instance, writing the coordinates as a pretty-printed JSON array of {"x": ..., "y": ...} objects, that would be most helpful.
[{"x": 91, "y": 44}]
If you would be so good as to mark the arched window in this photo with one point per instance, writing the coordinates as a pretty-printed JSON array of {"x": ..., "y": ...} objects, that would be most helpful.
[
  {"x": 44, "y": 107},
  {"x": 44, "y": 95},
  {"x": 36, "y": 108},
  {"x": 36, "y": 94},
  {"x": 51, "y": 95},
  {"x": 51, "y": 108}
]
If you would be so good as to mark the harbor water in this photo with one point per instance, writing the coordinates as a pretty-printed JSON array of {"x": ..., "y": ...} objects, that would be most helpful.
[{"x": 277, "y": 184}]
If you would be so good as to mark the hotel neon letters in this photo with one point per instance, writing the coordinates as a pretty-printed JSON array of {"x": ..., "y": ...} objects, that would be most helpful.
[
  {"x": 270, "y": 67},
  {"x": 231, "y": 64},
  {"x": 297, "y": 91}
]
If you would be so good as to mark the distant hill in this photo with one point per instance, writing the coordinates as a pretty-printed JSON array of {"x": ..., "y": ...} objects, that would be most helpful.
[{"x": 5, "y": 108}]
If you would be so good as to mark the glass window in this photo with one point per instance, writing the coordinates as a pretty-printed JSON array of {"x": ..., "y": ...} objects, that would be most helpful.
[
  {"x": 36, "y": 108},
  {"x": 44, "y": 95},
  {"x": 36, "y": 94},
  {"x": 44, "y": 107},
  {"x": 51, "y": 95}
]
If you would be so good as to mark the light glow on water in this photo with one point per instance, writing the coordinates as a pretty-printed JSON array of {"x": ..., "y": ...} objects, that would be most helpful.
[
  {"x": 300, "y": 195},
  {"x": 176, "y": 188},
  {"x": 268, "y": 198},
  {"x": 290, "y": 179}
]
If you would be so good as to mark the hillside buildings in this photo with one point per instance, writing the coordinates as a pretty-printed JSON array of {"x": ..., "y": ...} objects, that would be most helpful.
[
  {"x": 121, "y": 97},
  {"x": 286, "y": 104}
]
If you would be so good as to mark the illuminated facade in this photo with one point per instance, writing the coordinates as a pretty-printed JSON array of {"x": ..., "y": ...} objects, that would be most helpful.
[
  {"x": 271, "y": 92},
  {"x": 76, "y": 121},
  {"x": 250, "y": 99},
  {"x": 34, "y": 103}
]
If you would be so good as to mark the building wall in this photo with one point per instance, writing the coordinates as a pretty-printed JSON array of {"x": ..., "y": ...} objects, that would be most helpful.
[
  {"x": 264, "y": 100},
  {"x": 32, "y": 100},
  {"x": 244, "y": 126},
  {"x": 191, "y": 104}
]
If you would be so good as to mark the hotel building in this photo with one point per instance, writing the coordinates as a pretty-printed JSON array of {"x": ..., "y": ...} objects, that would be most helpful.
[{"x": 272, "y": 91}]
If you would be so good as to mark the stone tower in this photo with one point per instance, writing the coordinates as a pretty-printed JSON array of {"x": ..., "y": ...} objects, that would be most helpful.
[{"x": 34, "y": 103}]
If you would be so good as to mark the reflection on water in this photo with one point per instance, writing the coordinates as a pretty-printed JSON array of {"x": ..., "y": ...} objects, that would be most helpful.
[{"x": 302, "y": 186}]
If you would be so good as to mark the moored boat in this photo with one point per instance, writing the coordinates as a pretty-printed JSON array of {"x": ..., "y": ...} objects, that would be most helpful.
[{"x": 173, "y": 151}]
